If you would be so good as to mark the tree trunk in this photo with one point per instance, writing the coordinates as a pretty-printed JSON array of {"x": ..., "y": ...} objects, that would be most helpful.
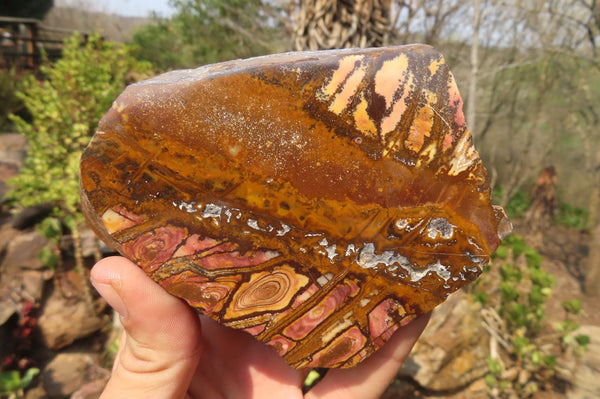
[
  {"x": 329, "y": 24},
  {"x": 592, "y": 275},
  {"x": 592, "y": 272},
  {"x": 472, "y": 97}
]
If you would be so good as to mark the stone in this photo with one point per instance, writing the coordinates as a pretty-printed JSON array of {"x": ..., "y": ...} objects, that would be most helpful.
[
  {"x": 7, "y": 235},
  {"x": 91, "y": 390},
  {"x": 64, "y": 320},
  {"x": 15, "y": 288},
  {"x": 36, "y": 393},
  {"x": 67, "y": 373},
  {"x": 318, "y": 200},
  {"x": 13, "y": 149},
  {"x": 90, "y": 244},
  {"x": 23, "y": 250},
  {"x": 33, "y": 284},
  {"x": 8, "y": 307},
  {"x": 452, "y": 352},
  {"x": 7, "y": 170},
  {"x": 585, "y": 381},
  {"x": 32, "y": 215}
]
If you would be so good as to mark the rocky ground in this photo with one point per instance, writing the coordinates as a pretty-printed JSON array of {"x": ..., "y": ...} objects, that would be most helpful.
[
  {"x": 450, "y": 359},
  {"x": 53, "y": 320}
]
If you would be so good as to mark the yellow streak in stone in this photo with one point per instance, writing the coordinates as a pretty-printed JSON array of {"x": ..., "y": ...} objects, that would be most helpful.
[
  {"x": 119, "y": 106},
  {"x": 336, "y": 328},
  {"x": 250, "y": 321},
  {"x": 362, "y": 119},
  {"x": 389, "y": 122},
  {"x": 422, "y": 124},
  {"x": 392, "y": 146},
  {"x": 234, "y": 150},
  {"x": 464, "y": 154},
  {"x": 339, "y": 76},
  {"x": 342, "y": 99},
  {"x": 427, "y": 154},
  {"x": 114, "y": 221},
  {"x": 387, "y": 79},
  {"x": 434, "y": 66}
]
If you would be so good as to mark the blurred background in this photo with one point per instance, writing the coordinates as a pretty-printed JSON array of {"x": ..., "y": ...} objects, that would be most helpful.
[{"x": 528, "y": 70}]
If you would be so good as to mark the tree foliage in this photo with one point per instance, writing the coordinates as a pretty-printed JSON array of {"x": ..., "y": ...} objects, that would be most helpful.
[
  {"x": 207, "y": 31},
  {"x": 160, "y": 44},
  {"x": 25, "y": 8},
  {"x": 66, "y": 107}
]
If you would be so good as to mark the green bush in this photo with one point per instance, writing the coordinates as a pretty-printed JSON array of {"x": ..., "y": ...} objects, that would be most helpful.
[
  {"x": 12, "y": 383},
  {"x": 9, "y": 102},
  {"x": 572, "y": 216},
  {"x": 529, "y": 354},
  {"x": 209, "y": 31},
  {"x": 517, "y": 204},
  {"x": 65, "y": 107}
]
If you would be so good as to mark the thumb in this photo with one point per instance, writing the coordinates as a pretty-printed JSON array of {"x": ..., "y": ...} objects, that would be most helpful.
[{"x": 161, "y": 344}]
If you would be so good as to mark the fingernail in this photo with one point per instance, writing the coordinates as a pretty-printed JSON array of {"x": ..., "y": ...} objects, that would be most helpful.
[{"x": 105, "y": 283}]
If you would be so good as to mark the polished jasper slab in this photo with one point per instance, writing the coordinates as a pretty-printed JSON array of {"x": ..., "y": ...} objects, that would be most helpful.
[{"x": 317, "y": 200}]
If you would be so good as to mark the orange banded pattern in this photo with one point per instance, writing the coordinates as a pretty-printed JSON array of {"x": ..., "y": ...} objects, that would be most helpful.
[{"x": 318, "y": 201}]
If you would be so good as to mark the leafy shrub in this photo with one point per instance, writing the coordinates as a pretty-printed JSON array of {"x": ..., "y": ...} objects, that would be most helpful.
[
  {"x": 529, "y": 353},
  {"x": 572, "y": 216},
  {"x": 12, "y": 383},
  {"x": 9, "y": 102},
  {"x": 65, "y": 108},
  {"x": 517, "y": 204}
]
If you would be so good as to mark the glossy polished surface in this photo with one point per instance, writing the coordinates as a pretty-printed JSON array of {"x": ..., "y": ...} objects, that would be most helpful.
[{"x": 316, "y": 200}]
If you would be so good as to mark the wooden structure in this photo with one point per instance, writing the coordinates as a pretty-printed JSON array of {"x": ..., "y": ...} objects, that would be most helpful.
[{"x": 23, "y": 41}]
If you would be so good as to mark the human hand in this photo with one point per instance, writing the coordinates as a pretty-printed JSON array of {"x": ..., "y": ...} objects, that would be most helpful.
[{"x": 167, "y": 351}]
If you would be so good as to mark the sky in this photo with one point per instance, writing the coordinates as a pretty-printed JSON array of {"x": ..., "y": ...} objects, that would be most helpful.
[
  {"x": 131, "y": 8},
  {"x": 137, "y": 8}
]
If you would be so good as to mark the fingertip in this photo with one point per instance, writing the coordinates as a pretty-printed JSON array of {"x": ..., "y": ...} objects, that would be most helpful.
[
  {"x": 110, "y": 270},
  {"x": 106, "y": 277},
  {"x": 128, "y": 280}
]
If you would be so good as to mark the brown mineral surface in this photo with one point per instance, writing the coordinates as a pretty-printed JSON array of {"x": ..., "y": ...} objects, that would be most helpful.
[{"x": 317, "y": 200}]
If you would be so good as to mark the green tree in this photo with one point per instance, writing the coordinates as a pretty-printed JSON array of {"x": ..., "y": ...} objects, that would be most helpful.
[
  {"x": 162, "y": 45},
  {"x": 207, "y": 31},
  {"x": 25, "y": 8}
]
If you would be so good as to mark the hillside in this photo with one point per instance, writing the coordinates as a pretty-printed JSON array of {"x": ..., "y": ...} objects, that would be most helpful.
[{"x": 113, "y": 27}]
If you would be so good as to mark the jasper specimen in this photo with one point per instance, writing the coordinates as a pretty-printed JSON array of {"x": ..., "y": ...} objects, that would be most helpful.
[{"x": 317, "y": 200}]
